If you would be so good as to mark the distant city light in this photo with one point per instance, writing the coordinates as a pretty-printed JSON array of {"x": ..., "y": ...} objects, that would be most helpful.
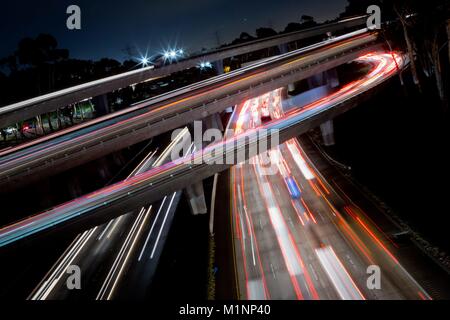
[{"x": 205, "y": 64}]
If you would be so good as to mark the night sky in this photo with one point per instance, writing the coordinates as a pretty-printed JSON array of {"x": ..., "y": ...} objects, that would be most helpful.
[{"x": 108, "y": 27}]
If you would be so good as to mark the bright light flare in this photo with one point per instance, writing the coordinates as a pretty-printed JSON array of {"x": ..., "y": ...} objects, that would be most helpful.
[
  {"x": 205, "y": 65},
  {"x": 173, "y": 54},
  {"x": 144, "y": 61}
]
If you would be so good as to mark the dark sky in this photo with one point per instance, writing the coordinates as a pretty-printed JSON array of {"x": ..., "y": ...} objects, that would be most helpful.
[{"x": 108, "y": 27}]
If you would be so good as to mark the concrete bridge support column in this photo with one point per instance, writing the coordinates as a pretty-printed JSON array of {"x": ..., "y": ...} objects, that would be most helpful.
[
  {"x": 195, "y": 193},
  {"x": 327, "y": 129},
  {"x": 213, "y": 122},
  {"x": 291, "y": 88},
  {"x": 198, "y": 128},
  {"x": 196, "y": 198},
  {"x": 101, "y": 105},
  {"x": 218, "y": 65},
  {"x": 317, "y": 80},
  {"x": 283, "y": 48},
  {"x": 331, "y": 79}
]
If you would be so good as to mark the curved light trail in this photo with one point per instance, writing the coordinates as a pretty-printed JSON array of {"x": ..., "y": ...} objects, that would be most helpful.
[{"x": 306, "y": 246}]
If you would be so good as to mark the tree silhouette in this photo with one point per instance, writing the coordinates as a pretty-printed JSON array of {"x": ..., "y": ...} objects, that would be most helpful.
[
  {"x": 305, "y": 23},
  {"x": 244, "y": 37},
  {"x": 265, "y": 33},
  {"x": 359, "y": 7},
  {"x": 42, "y": 54},
  {"x": 39, "y": 51},
  {"x": 106, "y": 67}
]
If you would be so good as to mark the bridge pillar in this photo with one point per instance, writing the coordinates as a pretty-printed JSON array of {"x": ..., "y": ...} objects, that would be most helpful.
[
  {"x": 195, "y": 193},
  {"x": 283, "y": 48},
  {"x": 320, "y": 85},
  {"x": 327, "y": 129},
  {"x": 317, "y": 80},
  {"x": 101, "y": 105},
  {"x": 218, "y": 65},
  {"x": 196, "y": 196},
  {"x": 213, "y": 122},
  {"x": 199, "y": 127},
  {"x": 291, "y": 88},
  {"x": 331, "y": 80}
]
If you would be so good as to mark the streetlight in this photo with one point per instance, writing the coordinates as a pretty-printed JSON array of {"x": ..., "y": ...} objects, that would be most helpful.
[
  {"x": 144, "y": 61},
  {"x": 205, "y": 64},
  {"x": 173, "y": 54}
]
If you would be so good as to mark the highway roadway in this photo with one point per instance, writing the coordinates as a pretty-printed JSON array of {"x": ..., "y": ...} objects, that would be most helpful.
[
  {"x": 294, "y": 237},
  {"x": 117, "y": 255}
]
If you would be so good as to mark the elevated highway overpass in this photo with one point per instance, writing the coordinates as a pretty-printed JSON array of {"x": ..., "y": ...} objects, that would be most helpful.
[
  {"x": 80, "y": 144},
  {"x": 102, "y": 205},
  {"x": 49, "y": 102}
]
